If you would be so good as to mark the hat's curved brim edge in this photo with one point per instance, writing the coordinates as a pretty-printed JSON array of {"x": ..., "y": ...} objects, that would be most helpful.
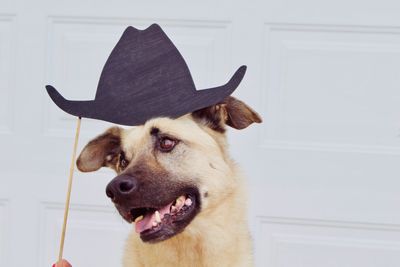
[
  {"x": 95, "y": 110},
  {"x": 76, "y": 108},
  {"x": 215, "y": 95}
]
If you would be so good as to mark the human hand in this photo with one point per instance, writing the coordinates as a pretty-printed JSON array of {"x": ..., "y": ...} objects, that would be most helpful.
[{"x": 62, "y": 263}]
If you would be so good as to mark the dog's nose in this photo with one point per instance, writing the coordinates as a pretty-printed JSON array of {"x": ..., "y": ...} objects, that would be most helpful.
[{"x": 121, "y": 186}]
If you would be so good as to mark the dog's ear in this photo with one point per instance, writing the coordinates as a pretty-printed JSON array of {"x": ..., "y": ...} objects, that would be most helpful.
[
  {"x": 102, "y": 151},
  {"x": 231, "y": 111}
]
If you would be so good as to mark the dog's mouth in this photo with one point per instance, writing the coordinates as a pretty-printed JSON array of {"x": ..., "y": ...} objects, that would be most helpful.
[{"x": 158, "y": 224}]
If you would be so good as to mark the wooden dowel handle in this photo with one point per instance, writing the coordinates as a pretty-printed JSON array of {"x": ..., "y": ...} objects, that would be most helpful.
[{"x": 71, "y": 175}]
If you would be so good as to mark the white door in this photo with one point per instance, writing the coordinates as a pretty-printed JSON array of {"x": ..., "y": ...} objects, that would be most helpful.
[{"x": 323, "y": 168}]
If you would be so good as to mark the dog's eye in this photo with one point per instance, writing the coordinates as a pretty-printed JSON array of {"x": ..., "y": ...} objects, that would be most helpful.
[
  {"x": 167, "y": 144},
  {"x": 123, "y": 163}
]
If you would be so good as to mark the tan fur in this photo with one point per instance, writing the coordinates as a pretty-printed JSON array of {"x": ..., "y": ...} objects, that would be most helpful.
[{"x": 218, "y": 236}]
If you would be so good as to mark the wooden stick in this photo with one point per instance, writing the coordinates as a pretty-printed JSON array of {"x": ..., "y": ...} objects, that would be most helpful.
[{"x": 71, "y": 174}]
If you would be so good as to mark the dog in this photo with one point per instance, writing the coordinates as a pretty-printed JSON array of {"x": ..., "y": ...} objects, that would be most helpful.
[{"x": 177, "y": 183}]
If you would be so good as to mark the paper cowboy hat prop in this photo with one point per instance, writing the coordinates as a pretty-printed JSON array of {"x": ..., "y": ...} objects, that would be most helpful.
[{"x": 145, "y": 77}]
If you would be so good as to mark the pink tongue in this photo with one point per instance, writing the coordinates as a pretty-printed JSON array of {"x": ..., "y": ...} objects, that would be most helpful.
[{"x": 147, "y": 221}]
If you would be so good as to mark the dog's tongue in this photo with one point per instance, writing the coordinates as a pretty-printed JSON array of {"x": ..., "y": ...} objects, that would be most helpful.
[
  {"x": 145, "y": 223},
  {"x": 150, "y": 218}
]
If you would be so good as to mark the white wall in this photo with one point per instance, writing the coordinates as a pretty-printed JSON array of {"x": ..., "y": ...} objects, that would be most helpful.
[{"x": 323, "y": 168}]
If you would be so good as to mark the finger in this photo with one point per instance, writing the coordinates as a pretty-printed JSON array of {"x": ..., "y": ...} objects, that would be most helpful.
[
  {"x": 62, "y": 263},
  {"x": 65, "y": 263}
]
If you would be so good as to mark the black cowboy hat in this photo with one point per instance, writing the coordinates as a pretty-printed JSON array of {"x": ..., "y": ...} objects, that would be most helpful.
[{"x": 144, "y": 77}]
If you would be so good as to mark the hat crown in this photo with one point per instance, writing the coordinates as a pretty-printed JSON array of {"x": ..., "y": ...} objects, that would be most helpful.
[
  {"x": 145, "y": 77},
  {"x": 142, "y": 62}
]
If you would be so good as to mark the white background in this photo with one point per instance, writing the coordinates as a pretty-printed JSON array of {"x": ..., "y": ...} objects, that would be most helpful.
[{"x": 323, "y": 168}]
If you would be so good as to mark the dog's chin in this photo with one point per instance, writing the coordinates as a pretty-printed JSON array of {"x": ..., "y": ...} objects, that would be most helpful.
[{"x": 156, "y": 224}]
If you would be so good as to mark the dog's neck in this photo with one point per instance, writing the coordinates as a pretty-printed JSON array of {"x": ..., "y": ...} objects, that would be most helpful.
[{"x": 215, "y": 238}]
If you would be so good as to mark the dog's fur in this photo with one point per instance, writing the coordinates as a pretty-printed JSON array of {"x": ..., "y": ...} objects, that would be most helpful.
[{"x": 218, "y": 235}]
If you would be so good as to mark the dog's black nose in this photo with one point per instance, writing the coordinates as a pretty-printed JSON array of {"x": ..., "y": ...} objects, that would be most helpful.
[{"x": 121, "y": 186}]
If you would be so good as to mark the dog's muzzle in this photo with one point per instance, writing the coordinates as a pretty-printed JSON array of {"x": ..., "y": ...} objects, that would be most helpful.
[{"x": 159, "y": 211}]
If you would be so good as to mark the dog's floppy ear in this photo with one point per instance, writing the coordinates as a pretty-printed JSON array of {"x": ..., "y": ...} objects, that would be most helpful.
[
  {"x": 231, "y": 111},
  {"x": 102, "y": 151}
]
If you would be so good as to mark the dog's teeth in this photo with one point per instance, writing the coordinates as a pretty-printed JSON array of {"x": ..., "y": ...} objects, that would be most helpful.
[
  {"x": 139, "y": 218},
  {"x": 188, "y": 202},
  {"x": 173, "y": 209},
  {"x": 155, "y": 224},
  {"x": 158, "y": 217},
  {"x": 180, "y": 199}
]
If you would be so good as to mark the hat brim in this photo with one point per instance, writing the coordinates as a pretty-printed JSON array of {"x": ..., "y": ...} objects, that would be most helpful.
[{"x": 131, "y": 114}]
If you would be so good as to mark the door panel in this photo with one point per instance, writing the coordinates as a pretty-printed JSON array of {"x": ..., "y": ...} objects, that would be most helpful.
[{"x": 322, "y": 169}]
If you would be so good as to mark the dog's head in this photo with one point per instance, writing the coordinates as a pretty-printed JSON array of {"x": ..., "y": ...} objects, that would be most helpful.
[{"x": 168, "y": 169}]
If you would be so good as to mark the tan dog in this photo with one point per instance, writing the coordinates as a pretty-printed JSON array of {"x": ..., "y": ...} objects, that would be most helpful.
[{"x": 178, "y": 184}]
